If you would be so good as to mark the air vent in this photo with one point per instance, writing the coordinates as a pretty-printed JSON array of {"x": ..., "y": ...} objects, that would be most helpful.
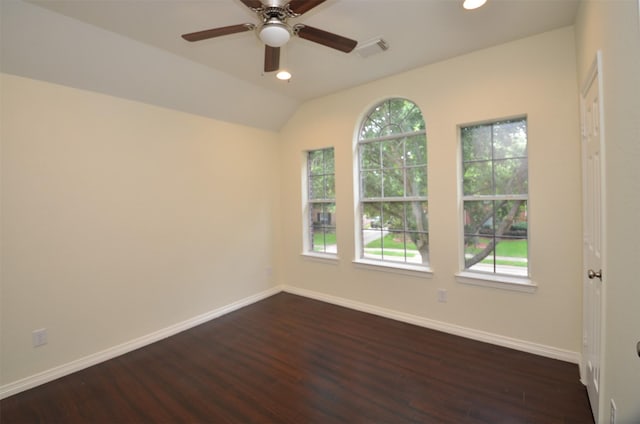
[{"x": 371, "y": 47}]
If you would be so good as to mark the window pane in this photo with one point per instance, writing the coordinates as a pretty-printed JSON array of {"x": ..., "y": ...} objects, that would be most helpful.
[
  {"x": 476, "y": 143},
  {"x": 519, "y": 228},
  {"x": 323, "y": 234},
  {"x": 373, "y": 231},
  {"x": 416, "y": 150},
  {"x": 316, "y": 163},
  {"x": 393, "y": 180},
  {"x": 417, "y": 216},
  {"x": 370, "y": 156},
  {"x": 417, "y": 181},
  {"x": 418, "y": 231},
  {"x": 394, "y": 247},
  {"x": 478, "y": 217},
  {"x": 478, "y": 178},
  {"x": 379, "y": 116},
  {"x": 329, "y": 167},
  {"x": 330, "y": 187},
  {"x": 372, "y": 215},
  {"x": 320, "y": 224},
  {"x": 316, "y": 187},
  {"x": 508, "y": 211},
  {"x": 399, "y": 109},
  {"x": 392, "y": 153},
  {"x": 511, "y": 256},
  {"x": 511, "y": 176},
  {"x": 413, "y": 121},
  {"x": 476, "y": 261},
  {"x": 372, "y": 244},
  {"x": 393, "y": 215},
  {"x": 324, "y": 240},
  {"x": 369, "y": 130},
  {"x": 371, "y": 184},
  {"x": 510, "y": 139},
  {"x": 503, "y": 245},
  {"x": 393, "y": 116}
]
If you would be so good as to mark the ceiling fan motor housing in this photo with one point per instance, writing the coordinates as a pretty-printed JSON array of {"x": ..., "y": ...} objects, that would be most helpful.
[
  {"x": 275, "y": 3},
  {"x": 279, "y": 13}
]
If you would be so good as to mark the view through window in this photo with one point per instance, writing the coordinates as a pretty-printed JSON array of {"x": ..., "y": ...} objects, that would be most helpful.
[
  {"x": 495, "y": 197},
  {"x": 392, "y": 156},
  {"x": 322, "y": 200}
]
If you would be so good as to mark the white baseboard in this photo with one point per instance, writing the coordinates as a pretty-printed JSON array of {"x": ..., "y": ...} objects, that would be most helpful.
[
  {"x": 112, "y": 352},
  {"x": 470, "y": 333}
]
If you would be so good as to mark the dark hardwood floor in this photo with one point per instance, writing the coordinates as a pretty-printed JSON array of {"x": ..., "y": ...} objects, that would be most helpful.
[{"x": 288, "y": 359}]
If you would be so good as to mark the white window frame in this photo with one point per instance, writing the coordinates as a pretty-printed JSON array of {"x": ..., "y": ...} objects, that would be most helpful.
[
  {"x": 522, "y": 283},
  {"x": 405, "y": 268},
  {"x": 308, "y": 203}
]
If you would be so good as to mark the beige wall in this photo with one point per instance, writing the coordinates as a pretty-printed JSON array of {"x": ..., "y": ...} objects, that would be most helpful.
[
  {"x": 613, "y": 27},
  {"x": 120, "y": 219},
  {"x": 534, "y": 76}
]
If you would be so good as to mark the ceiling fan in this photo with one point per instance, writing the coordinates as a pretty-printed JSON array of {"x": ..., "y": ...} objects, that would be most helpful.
[{"x": 274, "y": 30}]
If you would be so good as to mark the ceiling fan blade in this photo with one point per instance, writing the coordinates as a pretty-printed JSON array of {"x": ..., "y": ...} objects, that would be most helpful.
[
  {"x": 271, "y": 58},
  {"x": 217, "y": 32},
  {"x": 325, "y": 38},
  {"x": 252, "y": 4},
  {"x": 301, "y": 6}
]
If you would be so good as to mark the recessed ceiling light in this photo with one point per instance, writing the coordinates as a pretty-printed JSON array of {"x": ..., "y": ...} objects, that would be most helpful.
[
  {"x": 473, "y": 4},
  {"x": 283, "y": 75}
]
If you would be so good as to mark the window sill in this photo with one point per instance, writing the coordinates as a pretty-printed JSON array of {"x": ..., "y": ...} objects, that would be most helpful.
[
  {"x": 404, "y": 269},
  {"x": 328, "y": 258},
  {"x": 505, "y": 282}
]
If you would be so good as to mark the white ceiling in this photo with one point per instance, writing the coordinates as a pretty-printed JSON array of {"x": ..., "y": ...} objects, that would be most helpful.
[{"x": 419, "y": 32}]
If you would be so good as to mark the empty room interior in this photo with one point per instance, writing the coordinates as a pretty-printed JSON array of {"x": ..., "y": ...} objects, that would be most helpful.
[{"x": 153, "y": 184}]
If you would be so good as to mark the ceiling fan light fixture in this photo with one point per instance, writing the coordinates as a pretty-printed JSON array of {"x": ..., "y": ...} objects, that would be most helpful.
[
  {"x": 275, "y": 33},
  {"x": 473, "y": 4}
]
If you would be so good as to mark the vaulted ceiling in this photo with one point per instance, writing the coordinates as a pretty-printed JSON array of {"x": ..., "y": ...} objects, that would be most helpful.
[{"x": 133, "y": 48}]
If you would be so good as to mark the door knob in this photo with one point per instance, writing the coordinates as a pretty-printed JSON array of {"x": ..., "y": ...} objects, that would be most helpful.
[{"x": 594, "y": 274}]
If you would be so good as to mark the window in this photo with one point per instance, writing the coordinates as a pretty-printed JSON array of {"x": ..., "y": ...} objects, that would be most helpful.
[
  {"x": 321, "y": 208},
  {"x": 495, "y": 197},
  {"x": 392, "y": 157}
]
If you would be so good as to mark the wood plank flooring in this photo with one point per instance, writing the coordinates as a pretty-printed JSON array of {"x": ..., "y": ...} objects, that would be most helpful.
[{"x": 288, "y": 359}]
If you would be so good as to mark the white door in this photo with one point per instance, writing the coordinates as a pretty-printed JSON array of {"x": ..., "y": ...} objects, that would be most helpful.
[{"x": 593, "y": 233}]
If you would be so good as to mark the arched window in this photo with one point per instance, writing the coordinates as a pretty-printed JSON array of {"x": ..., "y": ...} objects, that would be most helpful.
[{"x": 392, "y": 170}]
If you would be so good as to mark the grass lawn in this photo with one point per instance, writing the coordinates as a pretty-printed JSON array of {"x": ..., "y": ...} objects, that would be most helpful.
[
  {"x": 512, "y": 248},
  {"x": 390, "y": 253},
  {"x": 390, "y": 243},
  {"x": 508, "y": 248},
  {"x": 505, "y": 249},
  {"x": 320, "y": 239},
  {"x": 503, "y": 262}
]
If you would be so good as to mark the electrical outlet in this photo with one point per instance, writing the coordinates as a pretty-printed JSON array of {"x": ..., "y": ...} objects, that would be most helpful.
[
  {"x": 612, "y": 416},
  {"x": 442, "y": 295},
  {"x": 39, "y": 337}
]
